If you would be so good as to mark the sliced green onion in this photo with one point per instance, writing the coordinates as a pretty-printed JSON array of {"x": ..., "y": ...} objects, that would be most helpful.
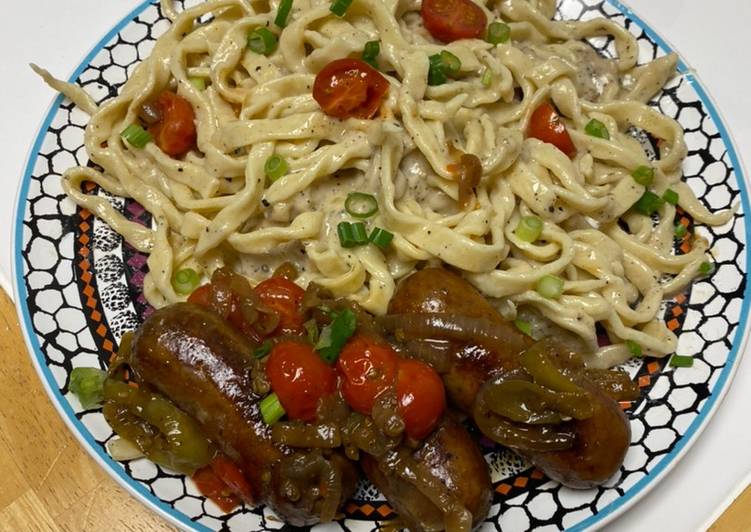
[
  {"x": 634, "y": 348},
  {"x": 648, "y": 204},
  {"x": 370, "y": 53},
  {"x": 262, "y": 41},
  {"x": 498, "y": 32},
  {"x": 185, "y": 281},
  {"x": 335, "y": 335},
  {"x": 643, "y": 175},
  {"x": 529, "y": 228},
  {"x": 340, "y": 7},
  {"x": 136, "y": 136},
  {"x": 263, "y": 349},
  {"x": 271, "y": 409},
  {"x": 381, "y": 237},
  {"x": 87, "y": 385},
  {"x": 361, "y": 205},
  {"x": 346, "y": 237},
  {"x": 285, "y": 6},
  {"x": 705, "y": 268},
  {"x": 359, "y": 233},
  {"x": 524, "y": 326},
  {"x": 680, "y": 230},
  {"x": 198, "y": 83},
  {"x": 311, "y": 327},
  {"x": 550, "y": 287},
  {"x": 595, "y": 128},
  {"x": 487, "y": 77},
  {"x": 451, "y": 64},
  {"x": 680, "y": 361},
  {"x": 671, "y": 196},
  {"x": 275, "y": 167},
  {"x": 436, "y": 71}
]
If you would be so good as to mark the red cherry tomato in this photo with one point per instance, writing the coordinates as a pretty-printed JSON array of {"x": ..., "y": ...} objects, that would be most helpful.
[
  {"x": 366, "y": 369},
  {"x": 545, "y": 124},
  {"x": 284, "y": 297},
  {"x": 347, "y": 88},
  {"x": 175, "y": 132},
  {"x": 201, "y": 296},
  {"x": 299, "y": 378},
  {"x": 224, "y": 483},
  {"x": 420, "y": 396},
  {"x": 451, "y": 20}
]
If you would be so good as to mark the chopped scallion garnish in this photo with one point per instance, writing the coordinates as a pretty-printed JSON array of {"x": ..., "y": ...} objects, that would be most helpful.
[
  {"x": 487, "y": 77},
  {"x": 370, "y": 53},
  {"x": 595, "y": 128},
  {"x": 671, "y": 196},
  {"x": 136, "y": 136},
  {"x": 352, "y": 234},
  {"x": 550, "y": 287},
  {"x": 436, "y": 72},
  {"x": 498, "y": 32},
  {"x": 680, "y": 361},
  {"x": 529, "y": 228},
  {"x": 451, "y": 64},
  {"x": 634, "y": 348},
  {"x": 87, "y": 384},
  {"x": 340, "y": 7},
  {"x": 275, "y": 167},
  {"x": 185, "y": 281},
  {"x": 680, "y": 230},
  {"x": 381, "y": 237},
  {"x": 263, "y": 349},
  {"x": 361, "y": 205},
  {"x": 643, "y": 175},
  {"x": 706, "y": 267},
  {"x": 198, "y": 83},
  {"x": 524, "y": 326},
  {"x": 648, "y": 204},
  {"x": 359, "y": 234},
  {"x": 335, "y": 335},
  {"x": 285, "y": 6},
  {"x": 262, "y": 41},
  {"x": 271, "y": 409}
]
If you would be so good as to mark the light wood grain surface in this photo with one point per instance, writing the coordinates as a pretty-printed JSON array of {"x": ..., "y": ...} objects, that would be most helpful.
[{"x": 48, "y": 482}]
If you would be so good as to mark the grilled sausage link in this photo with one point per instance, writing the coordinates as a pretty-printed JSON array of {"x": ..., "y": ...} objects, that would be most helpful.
[
  {"x": 600, "y": 442},
  {"x": 450, "y": 460},
  {"x": 205, "y": 367}
]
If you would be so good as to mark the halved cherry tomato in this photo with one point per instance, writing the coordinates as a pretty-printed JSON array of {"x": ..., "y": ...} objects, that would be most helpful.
[
  {"x": 175, "y": 132},
  {"x": 284, "y": 297},
  {"x": 224, "y": 483},
  {"x": 299, "y": 378},
  {"x": 545, "y": 124},
  {"x": 350, "y": 88},
  {"x": 201, "y": 296},
  {"x": 420, "y": 396},
  {"x": 366, "y": 369},
  {"x": 451, "y": 20}
]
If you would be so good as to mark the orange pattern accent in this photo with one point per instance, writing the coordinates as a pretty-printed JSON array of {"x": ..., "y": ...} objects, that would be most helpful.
[
  {"x": 503, "y": 488},
  {"x": 673, "y": 324},
  {"x": 537, "y": 474},
  {"x": 644, "y": 381},
  {"x": 520, "y": 482},
  {"x": 653, "y": 367}
]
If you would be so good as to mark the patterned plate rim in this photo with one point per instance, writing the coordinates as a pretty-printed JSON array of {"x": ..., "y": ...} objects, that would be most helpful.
[{"x": 601, "y": 518}]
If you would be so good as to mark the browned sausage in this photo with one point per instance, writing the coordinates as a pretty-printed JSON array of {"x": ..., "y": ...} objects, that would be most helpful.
[
  {"x": 197, "y": 360},
  {"x": 600, "y": 442},
  {"x": 439, "y": 291},
  {"x": 452, "y": 458}
]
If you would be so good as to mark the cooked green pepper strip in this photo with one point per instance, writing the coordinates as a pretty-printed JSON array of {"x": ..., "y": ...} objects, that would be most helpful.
[
  {"x": 615, "y": 384},
  {"x": 530, "y": 403},
  {"x": 163, "y": 432},
  {"x": 534, "y": 438},
  {"x": 538, "y": 363}
]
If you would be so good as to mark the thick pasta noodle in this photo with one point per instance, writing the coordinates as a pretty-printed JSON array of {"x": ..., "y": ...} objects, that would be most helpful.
[{"x": 214, "y": 207}]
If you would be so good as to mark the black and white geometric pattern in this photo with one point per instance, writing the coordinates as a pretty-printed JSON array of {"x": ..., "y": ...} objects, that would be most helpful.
[{"x": 80, "y": 286}]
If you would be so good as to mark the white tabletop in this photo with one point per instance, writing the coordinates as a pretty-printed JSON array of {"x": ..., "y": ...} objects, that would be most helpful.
[{"x": 714, "y": 40}]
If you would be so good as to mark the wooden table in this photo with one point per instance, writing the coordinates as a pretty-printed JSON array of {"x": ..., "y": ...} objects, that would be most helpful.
[{"x": 48, "y": 482}]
